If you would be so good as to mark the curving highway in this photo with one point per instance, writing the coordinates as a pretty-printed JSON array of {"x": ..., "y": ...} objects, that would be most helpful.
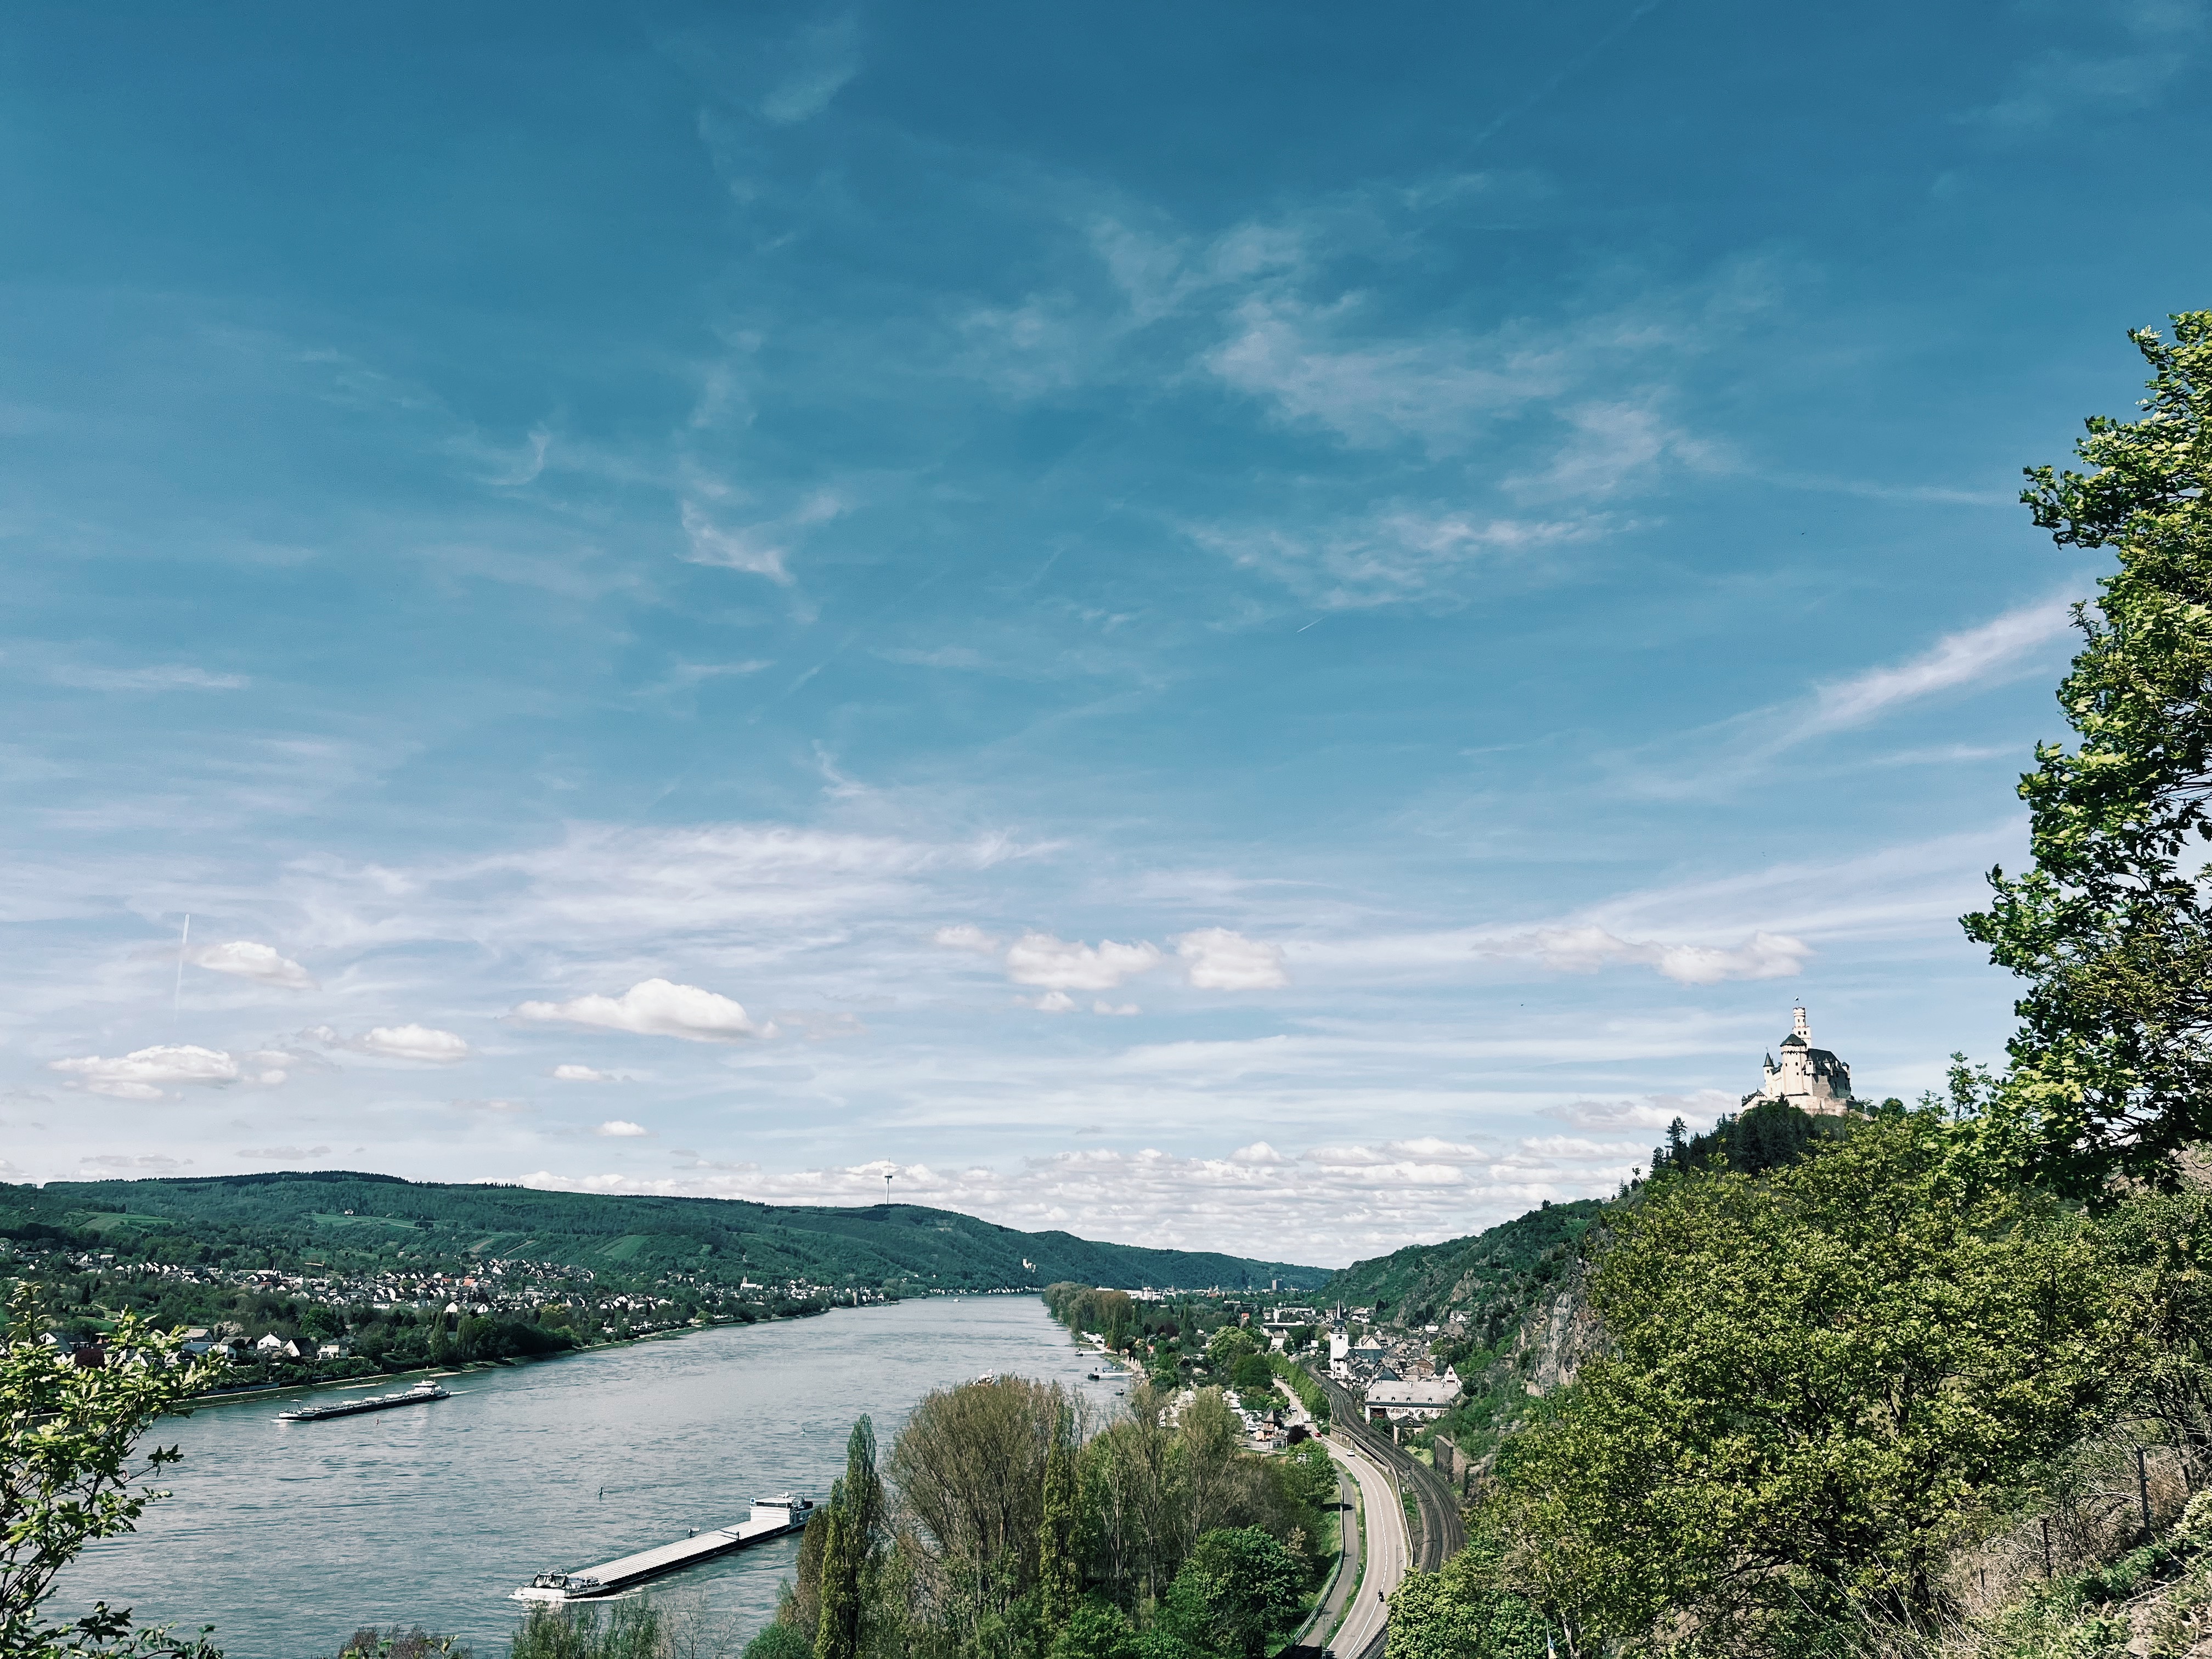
[{"x": 1387, "y": 1548}]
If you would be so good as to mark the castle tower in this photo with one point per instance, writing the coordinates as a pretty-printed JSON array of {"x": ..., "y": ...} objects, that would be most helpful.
[{"x": 1811, "y": 1079}]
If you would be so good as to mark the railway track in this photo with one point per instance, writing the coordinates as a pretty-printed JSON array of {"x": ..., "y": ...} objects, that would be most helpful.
[{"x": 1442, "y": 1532}]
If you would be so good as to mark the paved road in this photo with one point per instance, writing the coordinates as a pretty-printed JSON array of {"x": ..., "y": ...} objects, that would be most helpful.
[
  {"x": 1441, "y": 1533},
  {"x": 1387, "y": 1547}
]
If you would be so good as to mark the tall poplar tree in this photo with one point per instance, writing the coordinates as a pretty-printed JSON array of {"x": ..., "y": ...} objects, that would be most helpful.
[
  {"x": 838, "y": 1634},
  {"x": 2111, "y": 926},
  {"x": 848, "y": 1548},
  {"x": 1058, "y": 1580}
]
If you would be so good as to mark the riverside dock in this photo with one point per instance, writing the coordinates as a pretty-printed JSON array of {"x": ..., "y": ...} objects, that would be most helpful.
[{"x": 771, "y": 1517}]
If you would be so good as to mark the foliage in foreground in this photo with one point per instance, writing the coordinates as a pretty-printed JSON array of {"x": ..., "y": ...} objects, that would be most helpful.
[
  {"x": 67, "y": 1477},
  {"x": 1818, "y": 1377},
  {"x": 996, "y": 1530},
  {"x": 2111, "y": 927}
]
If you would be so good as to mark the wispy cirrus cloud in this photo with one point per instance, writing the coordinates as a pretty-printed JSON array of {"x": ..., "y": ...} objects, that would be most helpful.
[
  {"x": 759, "y": 549},
  {"x": 1401, "y": 554},
  {"x": 162, "y": 677},
  {"x": 1586, "y": 948},
  {"x": 2001, "y": 649}
]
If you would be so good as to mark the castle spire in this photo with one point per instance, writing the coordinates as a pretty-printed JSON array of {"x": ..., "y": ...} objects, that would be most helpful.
[{"x": 1798, "y": 1027}]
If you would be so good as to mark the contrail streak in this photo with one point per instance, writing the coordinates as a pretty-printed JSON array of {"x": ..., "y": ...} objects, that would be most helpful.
[
  {"x": 177, "y": 996},
  {"x": 1559, "y": 79}
]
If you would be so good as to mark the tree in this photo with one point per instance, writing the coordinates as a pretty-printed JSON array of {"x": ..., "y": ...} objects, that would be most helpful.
[
  {"x": 1237, "y": 1588},
  {"x": 1463, "y": 1611},
  {"x": 67, "y": 1434},
  {"x": 1817, "y": 1376},
  {"x": 864, "y": 1487},
  {"x": 1253, "y": 1375},
  {"x": 1060, "y": 1579},
  {"x": 779, "y": 1641},
  {"x": 2111, "y": 927},
  {"x": 1230, "y": 1344},
  {"x": 969, "y": 1466},
  {"x": 838, "y": 1636},
  {"x": 1095, "y": 1630}
]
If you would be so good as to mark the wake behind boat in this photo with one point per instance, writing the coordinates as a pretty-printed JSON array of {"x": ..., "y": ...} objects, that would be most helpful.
[
  {"x": 421, "y": 1393},
  {"x": 772, "y": 1518}
]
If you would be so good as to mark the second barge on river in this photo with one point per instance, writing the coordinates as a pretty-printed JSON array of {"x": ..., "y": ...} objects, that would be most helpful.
[
  {"x": 772, "y": 1518},
  {"x": 421, "y": 1393}
]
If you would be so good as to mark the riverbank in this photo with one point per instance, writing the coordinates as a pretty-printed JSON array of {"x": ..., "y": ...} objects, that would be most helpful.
[{"x": 429, "y": 1368}]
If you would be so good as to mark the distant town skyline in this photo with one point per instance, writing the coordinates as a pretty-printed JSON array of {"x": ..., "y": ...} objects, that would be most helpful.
[{"x": 1278, "y": 633}]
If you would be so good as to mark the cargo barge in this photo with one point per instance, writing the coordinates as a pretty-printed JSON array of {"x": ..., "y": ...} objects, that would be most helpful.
[
  {"x": 771, "y": 1517},
  {"x": 421, "y": 1393}
]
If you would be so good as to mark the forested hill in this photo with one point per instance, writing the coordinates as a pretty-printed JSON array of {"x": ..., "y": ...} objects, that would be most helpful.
[
  {"x": 1493, "y": 1279},
  {"x": 343, "y": 1214}
]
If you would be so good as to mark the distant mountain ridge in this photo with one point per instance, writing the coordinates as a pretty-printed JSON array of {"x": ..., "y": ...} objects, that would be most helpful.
[{"x": 362, "y": 1216}]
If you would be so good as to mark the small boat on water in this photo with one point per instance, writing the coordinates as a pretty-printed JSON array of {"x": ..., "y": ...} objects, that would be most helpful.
[
  {"x": 771, "y": 1517},
  {"x": 421, "y": 1393}
]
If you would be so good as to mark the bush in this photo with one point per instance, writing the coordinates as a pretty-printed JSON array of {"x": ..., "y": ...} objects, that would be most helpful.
[
  {"x": 780, "y": 1641},
  {"x": 629, "y": 1630},
  {"x": 400, "y": 1642}
]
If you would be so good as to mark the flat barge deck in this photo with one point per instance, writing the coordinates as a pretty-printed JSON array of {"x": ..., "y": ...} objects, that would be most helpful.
[{"x": 771, "y": 1517}]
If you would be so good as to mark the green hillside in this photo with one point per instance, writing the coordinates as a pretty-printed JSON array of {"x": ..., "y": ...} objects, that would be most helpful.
[
  {"x": 339, "y": 1215},
  {"x": 1492, "y": 1278}
]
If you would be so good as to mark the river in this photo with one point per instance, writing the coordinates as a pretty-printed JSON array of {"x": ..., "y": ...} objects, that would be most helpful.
[{"x": 287, "y": 1537}]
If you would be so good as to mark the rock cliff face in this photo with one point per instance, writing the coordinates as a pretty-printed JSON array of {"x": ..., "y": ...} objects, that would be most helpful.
[{"x": 1559, "y": 1334}]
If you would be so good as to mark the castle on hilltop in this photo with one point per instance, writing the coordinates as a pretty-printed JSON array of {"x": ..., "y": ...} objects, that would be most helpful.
[{"x": 1811, "y": 1079}]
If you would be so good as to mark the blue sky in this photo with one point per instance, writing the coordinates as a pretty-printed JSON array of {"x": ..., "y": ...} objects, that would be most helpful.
[{"x": 1257, "y": 628}]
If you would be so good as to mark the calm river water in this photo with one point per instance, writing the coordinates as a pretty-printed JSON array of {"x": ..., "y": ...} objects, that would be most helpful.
[{"x": 287, "y": 1537}]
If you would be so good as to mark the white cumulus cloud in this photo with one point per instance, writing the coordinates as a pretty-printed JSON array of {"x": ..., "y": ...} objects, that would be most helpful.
[
  {"x": 143, "y": 1074},
  {"x": 1585, "y": 948},
  {"x": 1071, "y": 965},
  {"x": 422, "y": 1043},
  {"x": 622, "y": 1128},
  {"x": 1217, "y": 959},
  {"x": 416, "y": 1043},
  {"x": 260, "y": 962},
  {"x": 655, "y": 1007},
  {"x": 584, "y": 1074}
]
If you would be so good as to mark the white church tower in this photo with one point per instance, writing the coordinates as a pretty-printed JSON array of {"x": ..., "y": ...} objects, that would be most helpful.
[{"x": 1811, "y": 1079}]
